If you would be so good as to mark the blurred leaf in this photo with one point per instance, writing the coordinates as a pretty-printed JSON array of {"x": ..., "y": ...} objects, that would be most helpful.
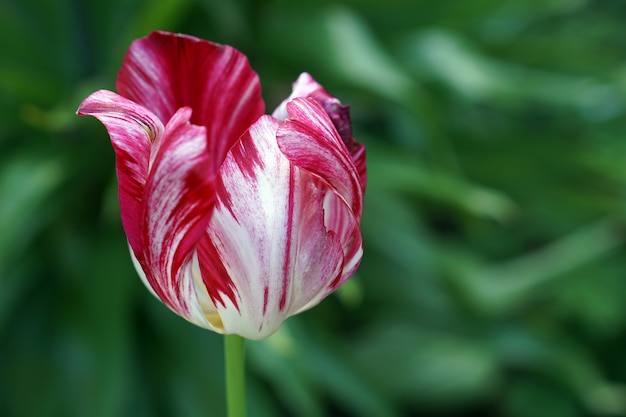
[
  {"x": 26, "y": 181},
  {"x": 158, "y": 15},
  {"x": 392, "y": 172},
  {"x": 345, "y": 49},
  {"x": 273, "y": 359},
  {"x": 425, "y": 367},
  {"x": 447, "y": 57},
  {"x": 341, "y": 381},
  {"x": 568, "y": 368},
  {"x": 502, "y": 287},
  {"x": 533, "y": 396}
]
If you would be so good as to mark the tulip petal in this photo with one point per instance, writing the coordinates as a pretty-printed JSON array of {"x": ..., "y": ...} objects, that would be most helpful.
[
  {"x": 164, "y": 72},
  {"x": 310, "y": 141},
  {"x": 340, "y": 116},
  {"x": 340, "y": 219},
  {"x": 305, "y": 86},
  {"x": 267, "y": 252},
  {"x": 166, "y": 195},
  {"x": 178, "y": 200},
  {"x": 132, "y": 129}
]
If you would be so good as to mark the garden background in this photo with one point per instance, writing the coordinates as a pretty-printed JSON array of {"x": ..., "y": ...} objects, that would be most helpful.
[{"x": 494, "y": 276}]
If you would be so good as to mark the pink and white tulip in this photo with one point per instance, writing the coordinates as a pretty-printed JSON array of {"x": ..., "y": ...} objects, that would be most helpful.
[{"x": 236, "y": 220}]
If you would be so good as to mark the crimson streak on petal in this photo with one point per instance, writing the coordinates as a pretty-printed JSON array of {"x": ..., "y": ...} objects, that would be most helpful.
[{"x": 164, "y": 72}]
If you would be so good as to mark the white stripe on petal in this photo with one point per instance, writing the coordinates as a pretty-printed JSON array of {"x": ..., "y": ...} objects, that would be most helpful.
[{"x": 269, "y": 236}]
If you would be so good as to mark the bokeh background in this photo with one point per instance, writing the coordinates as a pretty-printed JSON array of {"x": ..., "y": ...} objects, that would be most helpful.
[{"x": 493, "y": 281}]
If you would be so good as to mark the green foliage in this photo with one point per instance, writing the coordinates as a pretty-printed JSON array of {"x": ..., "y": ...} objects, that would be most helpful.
[{"x": 493, "y": 281}]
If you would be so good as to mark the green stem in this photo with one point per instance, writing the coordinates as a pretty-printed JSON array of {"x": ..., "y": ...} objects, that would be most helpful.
[{"x": 235, "y": 375}]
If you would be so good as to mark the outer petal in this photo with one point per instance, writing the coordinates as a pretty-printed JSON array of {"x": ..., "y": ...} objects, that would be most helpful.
[
  {"x": 132, "y": 129},
  {"x": 305, "y": 86},
  {"x": 164, "y": 72},
  {"x": 309, "y": 139},
  {"x": 267, "y": 252},
  {"x": 178, "y": 200},
  {"x": 165, "y": 195}
]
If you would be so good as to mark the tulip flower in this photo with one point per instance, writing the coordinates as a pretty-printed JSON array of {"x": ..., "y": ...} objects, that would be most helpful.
[{"x": 235, "y": 219}]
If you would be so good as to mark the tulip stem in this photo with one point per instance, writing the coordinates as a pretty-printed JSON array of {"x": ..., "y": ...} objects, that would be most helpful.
[{"x": 235, "y": 375}]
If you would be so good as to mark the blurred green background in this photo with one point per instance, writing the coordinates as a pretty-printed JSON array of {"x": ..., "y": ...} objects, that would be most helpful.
[{"x": 493, "y": 281}]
